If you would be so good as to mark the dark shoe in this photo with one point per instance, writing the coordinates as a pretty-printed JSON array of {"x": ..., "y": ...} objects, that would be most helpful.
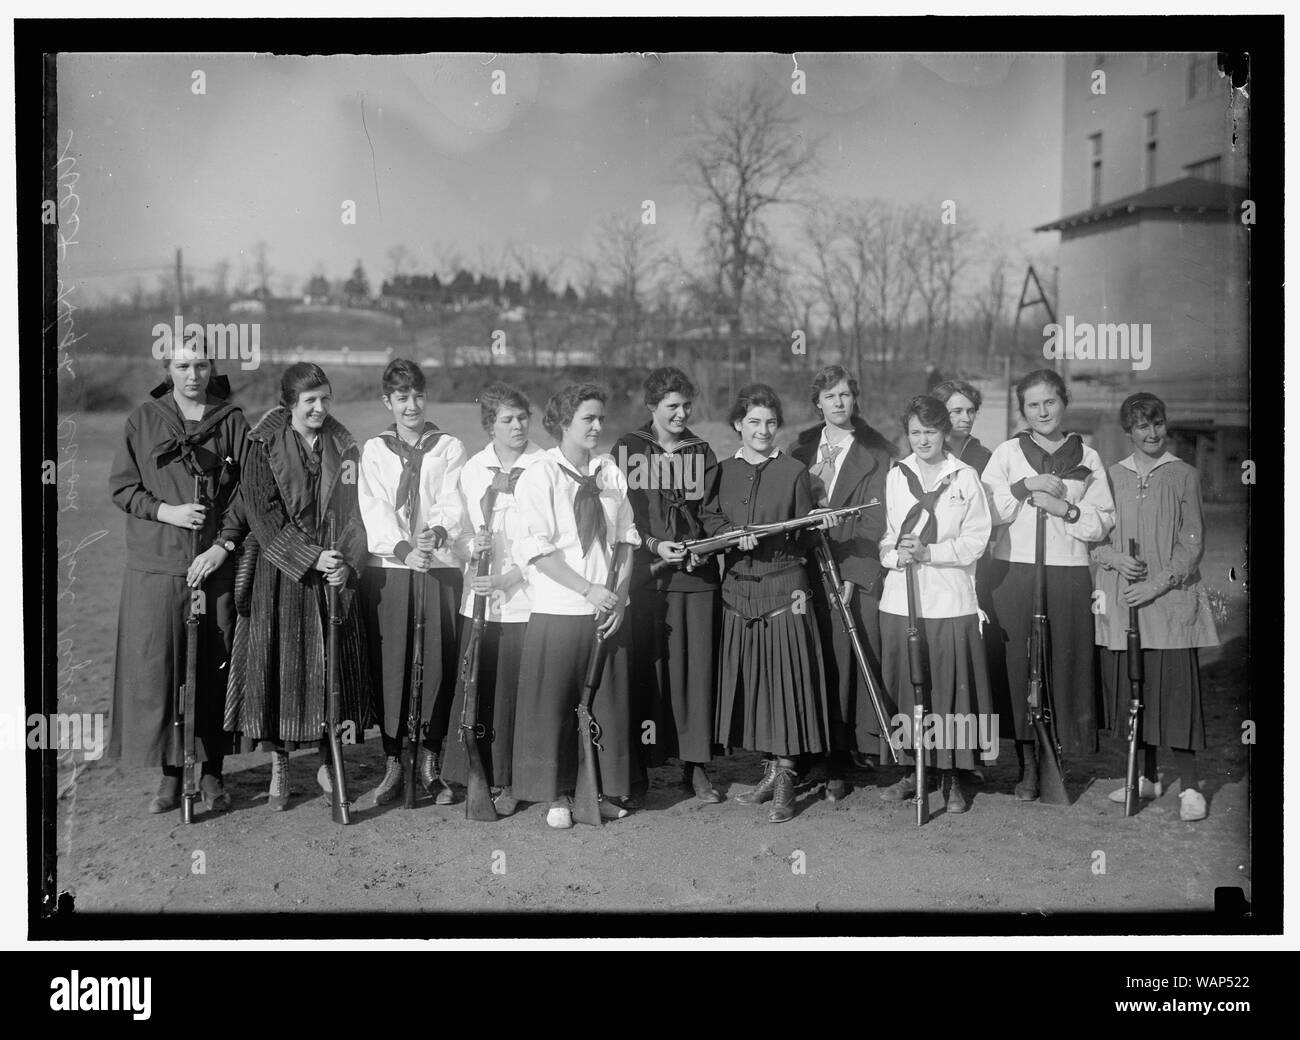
[
  {"x": 168, "y": 796},
  {"x": 1027, "y": 789},
  {"x": 763, "y": 791},
  {"x": 902, "y": 791},
  {"x": 505, "y": 803},
  {"x": 393, "y": 785},
  {"x": 782, "y": 797},
  {"x": 695, "y": 779},
  {"x": 958, "y": 801},
  {"x": 427, "y": 770},
  {"x": 214, "y": 794},
  {"x": 862, "y": 762},
  {"x": 836, "y": 789}
]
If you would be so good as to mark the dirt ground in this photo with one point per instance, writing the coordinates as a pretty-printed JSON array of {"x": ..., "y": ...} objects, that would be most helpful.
[{"x": 675, "y": 854}]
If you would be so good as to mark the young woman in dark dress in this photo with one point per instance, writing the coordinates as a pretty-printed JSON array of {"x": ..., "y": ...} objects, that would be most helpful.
[
  {"x": 187, "y": 428},
  {"x": 674, "y": 613},
  {"x": 771, "y": 684},
  {"x": 301, "y": 469}
]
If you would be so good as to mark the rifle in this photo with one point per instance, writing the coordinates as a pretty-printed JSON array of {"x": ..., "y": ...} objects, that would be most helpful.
[
  {"x": 916, "y": 667},
  {"x": 1135, "y": 678},
  {"x": 415, "y": 707},
  {"x": 183, "y": 710},
  {"x": 339, "y": 805},
  {"x": 586, "y": 799},
  {"x": 478, "y": 796},
  {"x": 834, "y": 583},
  {"x": 730, "y": 539},
  {"x": 1051, "y": 781}
]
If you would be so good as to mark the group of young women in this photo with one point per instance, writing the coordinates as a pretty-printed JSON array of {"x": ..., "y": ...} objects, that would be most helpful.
[{"x": 702, "y": 654}]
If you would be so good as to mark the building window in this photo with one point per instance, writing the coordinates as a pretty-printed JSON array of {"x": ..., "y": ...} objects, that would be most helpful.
[
  {"x": 1207, "y": 169},
  {"x": 1149, "y": 156},
  {"x": 1094, "y": 153},
  {"x": 1202, "y": 71}
]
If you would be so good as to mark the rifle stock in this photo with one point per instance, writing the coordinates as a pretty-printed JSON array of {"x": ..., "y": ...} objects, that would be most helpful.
[
  {"x": 183, "y": 724},
  {"x": 340, "y": 808},
  {"x": 415, "y": 702},
  {"x": 478, "y": 796},
  {"x": 586, "y": 797},
  {"x": 916, "y": 671},
  {"x": 1135, "y": 676},
  {"x": 1051, "y": 779}
]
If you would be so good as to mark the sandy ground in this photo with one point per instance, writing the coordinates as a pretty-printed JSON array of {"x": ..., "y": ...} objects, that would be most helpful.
[{"x": 675, "y": 854}]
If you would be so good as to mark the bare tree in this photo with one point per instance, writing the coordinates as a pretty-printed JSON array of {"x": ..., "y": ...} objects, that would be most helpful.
[
  {"x": 627, "y": 262},
  {"x": 399, "y": 257},
  {"x": 744, "y": 160},
  {"x": 264, "y": 271},
  {"x": 990, "y": 306},
  {"x": 937, "y": 257}
]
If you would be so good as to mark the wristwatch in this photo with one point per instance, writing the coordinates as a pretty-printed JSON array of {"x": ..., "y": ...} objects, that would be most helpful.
[
  {"x": 227, "y": 544},
  {"x": 1072, "y": 514}
]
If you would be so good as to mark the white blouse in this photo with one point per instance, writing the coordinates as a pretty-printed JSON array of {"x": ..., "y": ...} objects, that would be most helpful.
[
  {"x": 945, "y": 586},
  {"x": 545, "y": 497},
  {"x": 1066, "y": 544},
  {"x": 507, "y": 528},
  {"x": 386, "y": 521}
]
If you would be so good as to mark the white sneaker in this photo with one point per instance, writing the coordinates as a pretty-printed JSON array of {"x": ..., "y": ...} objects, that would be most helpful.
[
  {"x": 559, "y": 817},
  {"x": 611, "y": 811},
  {"x": 1146, "y": 789},
  {"x": 1191, "y": 805},
  {"x": 323, "y": 778}
]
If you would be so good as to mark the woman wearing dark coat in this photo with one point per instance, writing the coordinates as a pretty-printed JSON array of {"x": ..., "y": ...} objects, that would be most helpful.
[
  {"x": 848, "y": 461},
  {"x": 301, "y": 470},
  {"x": 187, "y": 428},
  {"x": 674, "y": 612}
]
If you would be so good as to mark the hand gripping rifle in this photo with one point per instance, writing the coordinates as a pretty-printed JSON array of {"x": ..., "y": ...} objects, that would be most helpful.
[
  {"x": 478, "y": 796},
  {"x": 586, "y": 799},
  {"x": 1135, "y": 678},
  {"x": 730, "y": 539},
  {"x": 834, "y": 584},
  {"x": 1051, "y": 781},
  {"x": 916, "y": 670},
  {"x": 183, "y": 710},
  {"x": 340, "y": 808}
]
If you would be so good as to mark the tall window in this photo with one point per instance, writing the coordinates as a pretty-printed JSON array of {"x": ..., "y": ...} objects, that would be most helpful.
[
  {"x": 1094, "y": 152},
  {"x": 1149, "y": 155},
  {"x": 1207, "y": 169},
  {"x": 1202, "y": 71}
]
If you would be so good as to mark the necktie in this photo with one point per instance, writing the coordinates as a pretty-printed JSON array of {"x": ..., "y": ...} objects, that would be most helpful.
[
  {"x": 587, "y": 510},
  {"x": 925, "y": 502},
  {"x": 502, "y": 484},
  {"x": 412, "y": 456},
  {"x": 1066, "y": 462},
  {"x": 824, "y": 470}
]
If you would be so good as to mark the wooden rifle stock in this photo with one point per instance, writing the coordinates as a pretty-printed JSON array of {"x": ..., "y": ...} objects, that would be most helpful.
[
  {"x": 183, "y": 716},
  {"x": 340, "y": 808},
  {"x": 1051, "y": 780},
  {"x": 415, "y": 702},
  {"x": 478, "y": 796},
  {"x": 586, "y": 798},
  {"x": 1135, "y": 678},
  {"x": 916, "y": 670}
]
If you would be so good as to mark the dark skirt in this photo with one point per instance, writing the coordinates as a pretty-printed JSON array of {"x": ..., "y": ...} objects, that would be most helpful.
[
  {"x": 771, "y": 683},
  {"x": 957, "y": 691},
  {"x": 150, "y": 667},
  {"x": 1072, "y": 655},
  {"x": 673, "y": 660},
  {"x": 553, "y": 668},
  {"x": 498, "y": 685},
  {"x": 1171, "y": 697},
  {"x": 387, "y": 602},
  {"x": 852, "y": 721}
]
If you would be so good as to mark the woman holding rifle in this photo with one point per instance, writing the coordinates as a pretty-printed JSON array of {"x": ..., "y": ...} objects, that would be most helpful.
[
  {"x": 675, "y": 612},
  {"x": 1043, "y": 467},
  {"x": 186, "y": 430},
  {"x": 938, "y": 526},
  {"x": 575, "y": 515},
  {"x": 491, "y": 523},
  {"x": 771, "y": 684},
  {"x": 300, "y": 476},
  {"x": 1158, "y": 506}
]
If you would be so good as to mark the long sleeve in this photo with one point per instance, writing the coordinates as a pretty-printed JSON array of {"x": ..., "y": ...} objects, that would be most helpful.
[
  {"x": 283, "y": 543},
  {"x": 625, "y": 529},
  {"x": 234, "y": 523},
  {"x": 1189, "y": 540},
  {"x": 125, "y": 484},
  {"x": 976, "y": 526},
  {"x": 445, "y": 510},
  {"x": 1004, "y": 504},
  {"x": 712, "y": 519},
  {"x": 894, "y": 514},
  {"x": 1104, "y": 551},
  {"x": 804, "y": 503},
  {"x": 378, "y": 511},
  {"x": 533, "y": 497},
  {"x": 1096, "y": 507}
]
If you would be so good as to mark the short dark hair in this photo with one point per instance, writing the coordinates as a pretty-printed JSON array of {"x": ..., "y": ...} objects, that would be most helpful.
[
  {"x": 562, "y": 407},
  {"x": 493, "y": 397},
  {"x": 827, "y": 378},
  {"x": 756, "y": 395},
  {"x": 298, "y": 378},
  {"x": 1041, "y": 375},
  {"x": 402, "y": 374},
  {"x": 664, "y": 381},
  {"x": 957, "y": 386},
  {"x": 929, "y": 411},
  {"x": 1141, "y": 407}
]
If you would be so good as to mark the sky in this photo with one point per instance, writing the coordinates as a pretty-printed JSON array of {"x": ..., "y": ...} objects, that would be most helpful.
[{"x": 434, "y": 160}]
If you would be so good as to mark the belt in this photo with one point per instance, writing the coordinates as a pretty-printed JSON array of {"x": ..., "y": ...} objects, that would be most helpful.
[
  {"x": 764, "y": 617},
  {"x": 797, "y": 566}
]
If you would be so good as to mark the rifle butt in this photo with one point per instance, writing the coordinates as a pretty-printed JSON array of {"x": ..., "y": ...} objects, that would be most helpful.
[
  {"x": 918, "y": 752},
  {"x": 1051, "y": 777},
  {"x": 478, "y": 795},
  {"x": 586, "y": 798}
]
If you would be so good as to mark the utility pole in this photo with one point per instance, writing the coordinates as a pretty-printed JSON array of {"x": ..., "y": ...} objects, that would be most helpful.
[{"x": 180, "y": 284}]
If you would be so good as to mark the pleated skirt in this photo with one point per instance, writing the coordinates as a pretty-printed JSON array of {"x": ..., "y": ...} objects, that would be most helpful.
[
  {"x": 150, "y": 667},
  {"x": 957, "y": 692},
  {"x": 1072, "y": 653},
  {"x": 1172, "y": 715},
  {"x": 673, "y": 657},
  {"x": 852, "y": 720},
  {"x": 552, "y": 669},
  {"x": 388, "y": 604},
  {"x": 498, "y": 685},
  {"x": 771, "y": 683}
]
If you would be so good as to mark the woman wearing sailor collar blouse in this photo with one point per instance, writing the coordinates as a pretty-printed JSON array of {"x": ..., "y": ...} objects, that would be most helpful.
[
  {"x": 575, "y": 512},
  {"x": 1043, "y": 467}
]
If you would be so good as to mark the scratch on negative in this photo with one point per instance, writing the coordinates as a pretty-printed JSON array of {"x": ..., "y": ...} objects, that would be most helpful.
[{"x": 373, "y": 168}]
